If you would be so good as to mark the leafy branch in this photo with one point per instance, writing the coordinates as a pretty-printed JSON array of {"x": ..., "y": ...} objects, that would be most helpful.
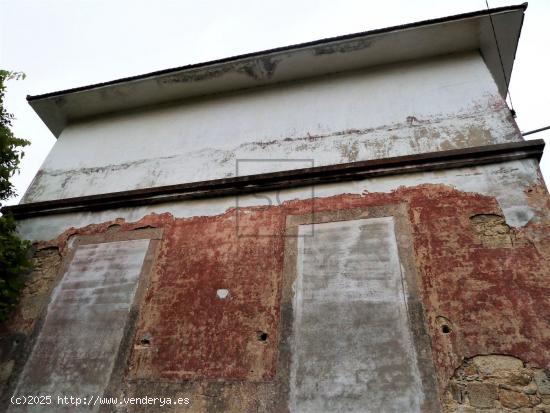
[{"x": 13, "y": 250}]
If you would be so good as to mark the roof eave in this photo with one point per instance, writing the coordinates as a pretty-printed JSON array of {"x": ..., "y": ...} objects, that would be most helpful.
[{"x": 428, "y": 38}]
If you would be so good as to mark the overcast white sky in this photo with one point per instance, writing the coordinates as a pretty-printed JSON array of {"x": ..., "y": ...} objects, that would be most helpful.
[{"x": 62, "y": 44}]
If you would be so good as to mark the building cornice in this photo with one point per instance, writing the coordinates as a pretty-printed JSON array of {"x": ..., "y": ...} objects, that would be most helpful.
[{"x": 242, "y": 185}]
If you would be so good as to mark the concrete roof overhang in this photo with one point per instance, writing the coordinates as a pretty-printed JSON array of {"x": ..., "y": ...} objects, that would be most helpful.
[{"x": 453, "y": 34}]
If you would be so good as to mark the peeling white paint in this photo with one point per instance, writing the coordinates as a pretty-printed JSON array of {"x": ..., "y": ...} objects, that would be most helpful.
[
  {"x": 505, "y": 181},
  {"x": 414, "y": 107}
]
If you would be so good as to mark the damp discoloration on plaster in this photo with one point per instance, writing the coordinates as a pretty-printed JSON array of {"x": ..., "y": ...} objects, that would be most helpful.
[
  {"x": 345, "y": 47},
  {"x": 261, "y": 68},
  {"x": 359, "y": 115},
  {"x": 337, "y": 147}
]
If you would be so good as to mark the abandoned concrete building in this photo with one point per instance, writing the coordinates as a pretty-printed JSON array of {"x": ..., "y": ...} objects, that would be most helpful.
[{"x": 354, "y": 224}]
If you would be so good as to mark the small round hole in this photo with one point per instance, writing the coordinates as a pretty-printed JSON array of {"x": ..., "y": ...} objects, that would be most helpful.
[
  {"x": 262, "y": 336},
  {"x": 445, "y": 329},
  {"x": 145, "y": 341}
]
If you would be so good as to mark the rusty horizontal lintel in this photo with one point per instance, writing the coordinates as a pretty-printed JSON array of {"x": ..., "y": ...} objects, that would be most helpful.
[{"x": 240, "y": 185}]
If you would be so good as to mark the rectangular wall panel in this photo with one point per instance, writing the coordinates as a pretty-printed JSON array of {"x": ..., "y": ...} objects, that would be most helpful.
[
  {"x": 352, "y": 348},
  {"x": 77, "y": 346}
]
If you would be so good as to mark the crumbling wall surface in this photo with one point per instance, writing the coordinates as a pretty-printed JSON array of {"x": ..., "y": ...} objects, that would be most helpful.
[
  {"x": 508, "y": 182},
  {"x": 16, "y": 334},
  {"x": 498, "y": 383},
  {"x": 443, "y": 103},
  {"x": 220, "y": 320},
  {"x": 208, "y": 327}
]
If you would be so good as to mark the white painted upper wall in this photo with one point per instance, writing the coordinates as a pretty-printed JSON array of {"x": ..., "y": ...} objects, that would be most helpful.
[
  {"x": 508, "y": 182},
  {"x": 414, "y": 107}
]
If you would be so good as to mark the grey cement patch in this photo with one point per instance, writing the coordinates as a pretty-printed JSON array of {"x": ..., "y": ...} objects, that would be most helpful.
[
  {"x": 76, "y": 349},
  {"x": 353, "y": 349}
]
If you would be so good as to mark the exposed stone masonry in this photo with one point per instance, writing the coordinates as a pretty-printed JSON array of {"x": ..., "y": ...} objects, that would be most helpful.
[
  {"x": 497, "y": 383},
  {"x": 15, "y": 334},
  {"x": 492, "y": 230}
]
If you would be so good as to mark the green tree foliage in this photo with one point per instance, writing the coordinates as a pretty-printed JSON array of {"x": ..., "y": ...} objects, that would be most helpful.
[{"x": 13, "y": 250}]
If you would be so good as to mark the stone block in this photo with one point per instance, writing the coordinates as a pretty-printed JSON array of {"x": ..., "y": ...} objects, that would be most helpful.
[
  {"x": 530, "y": 389},
  {"x": 495, "y": 364},
  {"x": 466, "y": 409},
  {"x": 520, "y": 377},
  {"x": 482, "y": 394},
  {"x": 542, "y": 378},
  {"x": 458, "y": 391},
  {"x": 516, "y": 400}
]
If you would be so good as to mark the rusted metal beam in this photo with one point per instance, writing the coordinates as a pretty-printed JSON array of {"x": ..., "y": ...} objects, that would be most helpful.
[{"x": 285, "y": 179}]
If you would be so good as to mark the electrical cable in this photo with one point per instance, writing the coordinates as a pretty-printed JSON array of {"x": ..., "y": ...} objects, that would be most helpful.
[
  {"x": 500, "y": 58},
  {"x": 535, "y": 131}
]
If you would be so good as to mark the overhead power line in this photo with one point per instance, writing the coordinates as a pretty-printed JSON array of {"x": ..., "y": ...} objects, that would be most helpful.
[
  {"x": 535, "y": 131},
  {"x": 506, "y": 81}
]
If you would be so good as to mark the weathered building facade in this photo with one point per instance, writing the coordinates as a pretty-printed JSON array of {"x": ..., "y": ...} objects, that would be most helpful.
[{"x": 350, "y": 225}]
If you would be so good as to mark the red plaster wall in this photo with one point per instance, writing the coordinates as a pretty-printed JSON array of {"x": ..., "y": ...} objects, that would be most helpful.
[{"x": 497, "y": 299}]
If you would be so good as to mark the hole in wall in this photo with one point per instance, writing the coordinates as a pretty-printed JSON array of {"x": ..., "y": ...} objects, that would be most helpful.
[
  {"x": 143, "y": 227},
  {"x": 444, "y": 324},
  {"x": 261, "y": 335},
  {"x": 52, "y": 247},
  {"x": 145, "y": 339}
]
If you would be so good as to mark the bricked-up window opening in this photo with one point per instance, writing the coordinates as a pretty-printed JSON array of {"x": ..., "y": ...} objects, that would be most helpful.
[
  {"x": 86, "y": 320},
  {"x": 350, "y": 316}
]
